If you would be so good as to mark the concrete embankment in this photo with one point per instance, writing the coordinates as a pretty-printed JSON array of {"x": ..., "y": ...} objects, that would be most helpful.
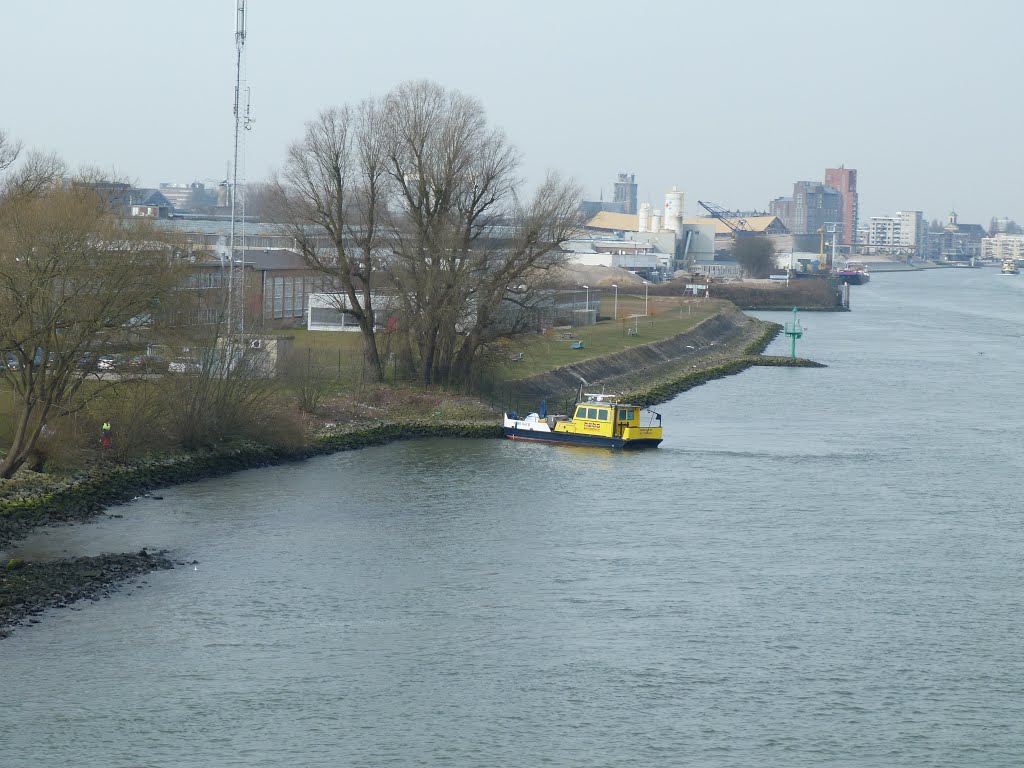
[{"x": 720, "y": 346}]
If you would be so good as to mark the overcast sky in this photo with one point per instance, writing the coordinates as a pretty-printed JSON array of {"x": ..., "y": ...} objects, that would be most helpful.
[{"x": 731, "y": 101}]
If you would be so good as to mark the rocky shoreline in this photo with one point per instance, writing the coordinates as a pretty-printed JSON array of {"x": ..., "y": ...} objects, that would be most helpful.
[{"x": 27, "y": 588}]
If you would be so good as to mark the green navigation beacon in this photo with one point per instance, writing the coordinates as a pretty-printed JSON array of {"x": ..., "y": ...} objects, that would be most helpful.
[{"x": 794, "y": 331}]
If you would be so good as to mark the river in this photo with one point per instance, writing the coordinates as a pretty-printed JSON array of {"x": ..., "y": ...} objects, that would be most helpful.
[{"x": 819, "y": 567}]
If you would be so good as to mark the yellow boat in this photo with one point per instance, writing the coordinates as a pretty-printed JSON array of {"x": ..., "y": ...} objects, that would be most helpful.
[{"x": 601, "y": 420}]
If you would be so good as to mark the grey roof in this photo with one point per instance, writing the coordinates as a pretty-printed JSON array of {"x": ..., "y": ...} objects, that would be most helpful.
[
  {"x": 273, "y": 258},
  {"x": 222, "y": 226},
  {"x": 147, "y": 197},
  {"x": 260, "y": 259}
]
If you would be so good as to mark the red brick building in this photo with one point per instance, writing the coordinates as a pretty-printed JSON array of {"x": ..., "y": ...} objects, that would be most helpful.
[{"x": 844, "y": 180}]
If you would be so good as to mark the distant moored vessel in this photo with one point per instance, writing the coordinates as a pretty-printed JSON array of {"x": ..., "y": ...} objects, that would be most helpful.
[{"x": 854, "y": 273}]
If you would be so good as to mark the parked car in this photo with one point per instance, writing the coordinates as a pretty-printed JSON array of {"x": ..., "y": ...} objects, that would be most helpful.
[
  {"x": 184, "y": 365},
  {"x": 146, "y": 363},
  {"x": 106, "y": 362}
]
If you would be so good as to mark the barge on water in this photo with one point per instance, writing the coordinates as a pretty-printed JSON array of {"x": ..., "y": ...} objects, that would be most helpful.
[{"x": 854, "y": 273}]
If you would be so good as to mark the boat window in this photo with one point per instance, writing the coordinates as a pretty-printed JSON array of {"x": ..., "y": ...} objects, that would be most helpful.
[
  {"x": 602, "y": 415},
  {"x": 592, "y": 413},
  {"x": 581, "y": 412},
  {"x": 625, "y": 414}
]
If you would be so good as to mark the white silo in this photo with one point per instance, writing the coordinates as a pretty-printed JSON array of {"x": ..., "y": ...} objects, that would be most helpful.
[
  {"x": 674, "y": 210},
  {"x": 645, "y": 217},
  {"x": 656, "y": 221}
]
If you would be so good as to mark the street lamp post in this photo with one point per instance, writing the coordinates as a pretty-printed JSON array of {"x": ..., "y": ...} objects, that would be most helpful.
[
  {"x": 645, "y": 297},
  {"x": 616, "y": 312},
  {"x": 587, "y": 288},
  {"x": 832, "y": 228}
]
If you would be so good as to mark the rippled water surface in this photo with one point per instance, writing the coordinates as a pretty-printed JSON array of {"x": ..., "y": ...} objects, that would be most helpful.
[{"x": 818, "y": 567}]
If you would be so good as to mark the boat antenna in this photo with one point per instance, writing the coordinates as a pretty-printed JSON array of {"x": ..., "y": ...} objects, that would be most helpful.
[{"x": 583, "y": 383}]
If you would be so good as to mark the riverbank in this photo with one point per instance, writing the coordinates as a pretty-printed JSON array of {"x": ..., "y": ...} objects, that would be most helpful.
[
  {"x": 721, "y": 346},
  {"x": 29, "y": 588}
]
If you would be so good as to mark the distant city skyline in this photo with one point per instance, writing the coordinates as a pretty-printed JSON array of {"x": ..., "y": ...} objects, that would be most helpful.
[{"x": 731, "y": 105}]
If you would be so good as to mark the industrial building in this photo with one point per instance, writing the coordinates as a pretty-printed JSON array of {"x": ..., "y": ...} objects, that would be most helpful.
[{"x": 653, "y": 242}]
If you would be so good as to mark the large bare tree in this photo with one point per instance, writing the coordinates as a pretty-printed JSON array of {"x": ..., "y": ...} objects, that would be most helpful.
[
  {"x": 70, "y": 271},
  {"x": 452, "y": 176},
  {"x": 330, "y": 196},
  {"x": 464, "y": 251},
  {"x": 415, "y": 196}
]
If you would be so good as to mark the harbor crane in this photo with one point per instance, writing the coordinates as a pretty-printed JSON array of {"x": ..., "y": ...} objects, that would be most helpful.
[{"x": 737, "y": 224}]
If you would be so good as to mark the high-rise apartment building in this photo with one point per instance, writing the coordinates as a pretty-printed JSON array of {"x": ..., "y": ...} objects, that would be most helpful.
[
  {"x": 844, "y": 181},
  {"x": 903, "y": 233},
  {"x": 1003, "y": 246},
  {"x": 812, "y": 206}
]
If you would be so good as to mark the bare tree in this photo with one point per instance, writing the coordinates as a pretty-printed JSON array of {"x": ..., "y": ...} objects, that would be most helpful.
[
  {"x": 755, "y": 254},
  {"x": 37, "y": 173},
  {"x": 70, "y": 270},
  {"x": 459, "y": 240},
  {"x": 452, "y": 177},
  {"x": 330, "y": 197},
  {"x": 259, "y": 200},
  {"x": 9, "y": 150},
  {"x": 415, "y": 193},
  {"x": 509, "y": 278}
]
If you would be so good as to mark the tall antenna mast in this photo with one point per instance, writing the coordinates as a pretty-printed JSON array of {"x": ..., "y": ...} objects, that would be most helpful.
[{"x": 236, "y": 271}]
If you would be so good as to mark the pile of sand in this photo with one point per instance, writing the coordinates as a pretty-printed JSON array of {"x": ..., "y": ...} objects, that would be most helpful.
[{"x": 596, "y": 277}]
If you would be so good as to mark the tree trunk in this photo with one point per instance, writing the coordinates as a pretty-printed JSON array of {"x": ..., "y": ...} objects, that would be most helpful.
[
  {"x": 429, "y": 351},
  {"x": 21, "y": 444},
  {"x": 371, "y": 355},
  {"x": 462, "y": 367}
]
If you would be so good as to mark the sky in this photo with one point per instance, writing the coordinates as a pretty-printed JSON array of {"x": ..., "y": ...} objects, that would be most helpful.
[{"x": 730, "y": 101}]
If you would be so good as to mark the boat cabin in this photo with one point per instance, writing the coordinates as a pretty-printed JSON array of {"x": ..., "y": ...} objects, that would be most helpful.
[
  {"x": 604, "y": 416},
  {"x": 626, "y": 414}
]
